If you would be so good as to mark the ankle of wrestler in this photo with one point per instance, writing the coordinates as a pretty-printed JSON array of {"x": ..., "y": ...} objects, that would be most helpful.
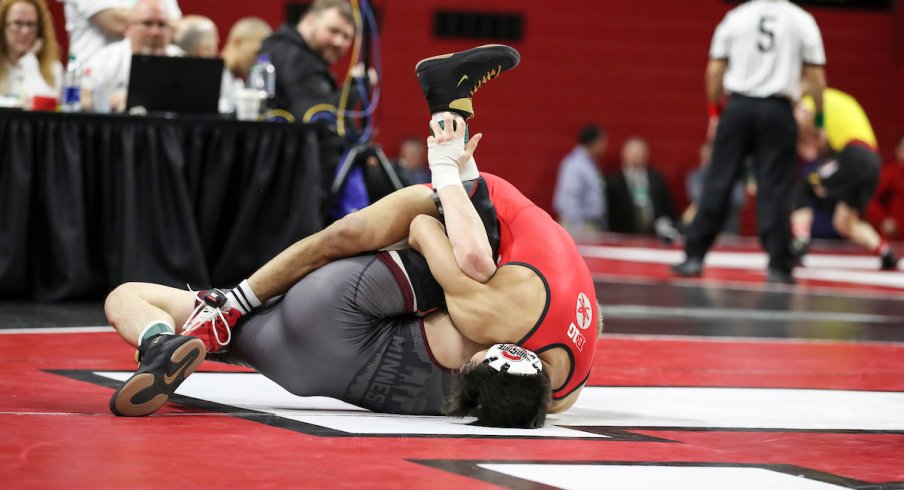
[
  {"x": 467, "y": 171},
  {"x": 243, "y": 298}
]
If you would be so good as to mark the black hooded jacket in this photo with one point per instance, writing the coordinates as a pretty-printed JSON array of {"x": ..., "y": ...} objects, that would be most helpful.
[{"x": 303, "y": 78}]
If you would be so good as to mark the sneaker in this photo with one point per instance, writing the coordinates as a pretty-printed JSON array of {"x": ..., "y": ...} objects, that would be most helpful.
[
  {"x": 889, "y": 261},
  {"x": 775, "y": 276},
  {"x": 213, "y": 320},
  {"x": 449, "y": 80},
  {"x": 164, "y": 363},
  {"x": 689, "y": 268}
]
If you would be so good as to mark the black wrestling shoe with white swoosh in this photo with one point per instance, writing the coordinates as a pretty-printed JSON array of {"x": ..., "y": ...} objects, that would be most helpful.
[
  {"x": 164, "y": 363},
  {"x": 450, "y": 80}
]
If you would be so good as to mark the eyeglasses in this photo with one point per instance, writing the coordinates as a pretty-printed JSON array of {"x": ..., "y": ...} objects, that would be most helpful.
[
  {"x": 18, "y": 25},
  {"x": 147, "y": 24}
]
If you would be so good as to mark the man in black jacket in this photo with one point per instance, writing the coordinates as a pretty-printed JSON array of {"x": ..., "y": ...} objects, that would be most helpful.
[
  {"x": 302, "y": 55},
  {"x": 638, "y": 197}
]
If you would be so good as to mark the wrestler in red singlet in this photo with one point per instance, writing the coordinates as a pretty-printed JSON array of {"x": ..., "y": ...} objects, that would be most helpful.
[{"x": 530, "y": 237}]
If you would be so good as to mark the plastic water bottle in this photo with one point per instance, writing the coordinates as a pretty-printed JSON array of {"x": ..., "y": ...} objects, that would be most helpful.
[
  {"x": 263, "y": 79},
  {"x": 72, "y": 86}
]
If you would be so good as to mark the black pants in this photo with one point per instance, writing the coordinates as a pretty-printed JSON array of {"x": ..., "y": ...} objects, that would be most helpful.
[{"x": 766, "y": 130}]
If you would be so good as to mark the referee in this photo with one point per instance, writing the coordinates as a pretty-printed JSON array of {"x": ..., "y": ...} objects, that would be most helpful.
[{"x": 759, "y": 53}]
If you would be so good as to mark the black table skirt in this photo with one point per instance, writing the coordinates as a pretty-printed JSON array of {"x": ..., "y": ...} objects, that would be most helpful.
[{"x": 88, "y": 202}]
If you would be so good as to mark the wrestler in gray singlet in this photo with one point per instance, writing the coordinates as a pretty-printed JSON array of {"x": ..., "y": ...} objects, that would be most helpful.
[{"x": 345, "y": 331}]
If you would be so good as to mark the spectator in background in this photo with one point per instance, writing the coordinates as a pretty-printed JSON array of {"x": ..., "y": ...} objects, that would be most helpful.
[
  {"x": 580, "y": 195},
  {"x": 149, "y": 32},
  {"x": 411, "y": 166},
  {"x": 638, "y": 197},
  {"x": 239, "y": 55},
  {"x": 886, "y": 211},
  {"x": 302, "y": 55},
  {"x": 197, "y": 36},
  {"x": 93, "y": 24},
  {"x": 29, "y": 54},
  {"x": 694, "y": 184}
]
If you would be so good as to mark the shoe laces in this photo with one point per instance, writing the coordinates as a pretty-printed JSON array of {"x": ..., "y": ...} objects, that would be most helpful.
[
  {"x": 204, "y": 313},
  {"x": 493, "y": 73}
]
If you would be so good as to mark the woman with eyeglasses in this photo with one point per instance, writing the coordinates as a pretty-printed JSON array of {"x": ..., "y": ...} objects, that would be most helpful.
[{"x": 29, "y": 53}]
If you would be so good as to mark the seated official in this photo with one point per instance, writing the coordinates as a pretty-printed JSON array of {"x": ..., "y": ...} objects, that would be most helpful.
[{"x": 149, "y": 32}]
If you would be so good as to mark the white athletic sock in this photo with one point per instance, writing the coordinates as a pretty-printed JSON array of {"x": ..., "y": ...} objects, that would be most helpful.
[{"x": 242, "y": 298}]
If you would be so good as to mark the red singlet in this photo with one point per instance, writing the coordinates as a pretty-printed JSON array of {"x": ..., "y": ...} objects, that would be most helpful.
[{"x": 530, "y": 237}]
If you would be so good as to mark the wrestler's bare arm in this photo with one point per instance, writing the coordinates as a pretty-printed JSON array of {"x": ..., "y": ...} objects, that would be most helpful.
[
  {"x": 470, "y": 245},
  {"x": 377, "y": 226},
  {"x": 500, "y": 310}
]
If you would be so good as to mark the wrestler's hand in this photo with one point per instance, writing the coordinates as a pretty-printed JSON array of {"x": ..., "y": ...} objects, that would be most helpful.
[{"x": 447, "y": 153}]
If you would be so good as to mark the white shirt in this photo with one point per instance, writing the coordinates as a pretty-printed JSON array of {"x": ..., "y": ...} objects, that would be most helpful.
[
  {"x": 766, "y": 43},
  {"x": 24, "y": 80},
  {"x": 85, "y": 38},
  {"x": 109, "y": 70},
  {"x": 228, "y": 87}
]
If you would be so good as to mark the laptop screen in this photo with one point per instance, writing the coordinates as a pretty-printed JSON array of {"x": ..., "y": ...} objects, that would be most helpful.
[{"x": 175, "y": 84}]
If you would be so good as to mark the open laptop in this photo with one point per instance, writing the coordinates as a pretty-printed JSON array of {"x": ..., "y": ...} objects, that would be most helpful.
[{"x": 175, "y": 85}]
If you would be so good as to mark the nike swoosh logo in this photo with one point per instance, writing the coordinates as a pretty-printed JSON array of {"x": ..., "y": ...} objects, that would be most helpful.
[
  {"x": 169, "y": 379},
  {"x": 463, "y": 78}
]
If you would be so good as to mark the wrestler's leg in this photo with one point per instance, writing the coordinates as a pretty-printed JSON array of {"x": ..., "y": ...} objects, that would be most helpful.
[
  {"x": 154, "y": 312},
  {"x": 133, "y": 306},
  {"x": 377, "y": 226},
  {"x": 849, "y": 225}
]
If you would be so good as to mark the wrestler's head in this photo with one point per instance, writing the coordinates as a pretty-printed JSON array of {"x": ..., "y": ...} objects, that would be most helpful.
[{"x": 503, "y": 386}]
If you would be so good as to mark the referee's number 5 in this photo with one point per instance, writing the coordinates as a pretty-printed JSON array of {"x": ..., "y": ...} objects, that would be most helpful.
[{"x": 766, "y": 40}]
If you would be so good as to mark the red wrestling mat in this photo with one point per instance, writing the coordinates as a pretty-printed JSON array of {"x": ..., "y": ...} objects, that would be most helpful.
[{"x": 700, "y": 413}]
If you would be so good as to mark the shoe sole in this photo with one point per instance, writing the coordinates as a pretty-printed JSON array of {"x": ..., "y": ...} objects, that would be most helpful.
[
  {"x": 417, "y": 67},
  {"x": 121, "y": 403}
]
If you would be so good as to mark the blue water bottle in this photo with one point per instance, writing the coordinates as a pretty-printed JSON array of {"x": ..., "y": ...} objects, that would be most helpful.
[{"x": 72, "y": 86}]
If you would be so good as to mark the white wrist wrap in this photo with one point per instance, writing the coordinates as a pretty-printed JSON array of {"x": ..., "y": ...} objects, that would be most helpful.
[
  {"x": 443, "y": 161},
  {"x": 468, "y": 171}
]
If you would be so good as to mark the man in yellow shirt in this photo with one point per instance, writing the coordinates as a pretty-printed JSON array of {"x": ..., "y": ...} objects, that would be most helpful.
[{"x": 849, "y": 172}]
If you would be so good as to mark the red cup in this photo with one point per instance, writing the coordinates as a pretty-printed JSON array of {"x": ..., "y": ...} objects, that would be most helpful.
[{"x": 43, "y": 103}]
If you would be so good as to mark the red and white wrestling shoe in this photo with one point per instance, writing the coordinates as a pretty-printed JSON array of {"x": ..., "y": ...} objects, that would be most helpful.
[{"x": 212, "y": 320}]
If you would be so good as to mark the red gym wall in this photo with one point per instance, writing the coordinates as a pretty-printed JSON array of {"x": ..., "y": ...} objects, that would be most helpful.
[{"x": 634, "y": 66}]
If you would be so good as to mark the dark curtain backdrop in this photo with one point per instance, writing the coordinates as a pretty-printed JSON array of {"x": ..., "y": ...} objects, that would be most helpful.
[{"x": 88, "y": 202}]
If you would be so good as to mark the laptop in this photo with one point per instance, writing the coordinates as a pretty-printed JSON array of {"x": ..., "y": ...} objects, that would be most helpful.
[{"x": 175, "y": 85}]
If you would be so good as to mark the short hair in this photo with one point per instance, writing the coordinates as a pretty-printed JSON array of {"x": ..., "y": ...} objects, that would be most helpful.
[
  {"x": 341, "y": 6},
  {"x": 500, "y": 399},
  {"x": 247, "y": 26},
  {"x": 192, "y": 30},
  {"x": 590, "y": 133}
]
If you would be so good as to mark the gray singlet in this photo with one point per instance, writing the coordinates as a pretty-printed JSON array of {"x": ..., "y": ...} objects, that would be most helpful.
[{"x": 343, "y": 332}]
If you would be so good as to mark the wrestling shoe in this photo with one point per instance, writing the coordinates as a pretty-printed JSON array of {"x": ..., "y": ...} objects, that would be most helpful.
[
  {"x": 450, "y": 80},
  {"x": 164, "y": 363},
  {"x": 212, "y": 320},
  {"x": 889, "y": 261}
]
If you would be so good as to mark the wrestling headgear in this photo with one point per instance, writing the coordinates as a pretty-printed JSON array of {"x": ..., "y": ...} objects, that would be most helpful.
[{"x": 512, "y": 359}]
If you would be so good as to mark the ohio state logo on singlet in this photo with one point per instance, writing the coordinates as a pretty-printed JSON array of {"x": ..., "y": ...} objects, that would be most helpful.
[{"x": 583, "y": 316}]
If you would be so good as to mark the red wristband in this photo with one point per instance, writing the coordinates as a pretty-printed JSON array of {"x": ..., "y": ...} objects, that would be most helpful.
[{"x": 714, "y": 109}]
